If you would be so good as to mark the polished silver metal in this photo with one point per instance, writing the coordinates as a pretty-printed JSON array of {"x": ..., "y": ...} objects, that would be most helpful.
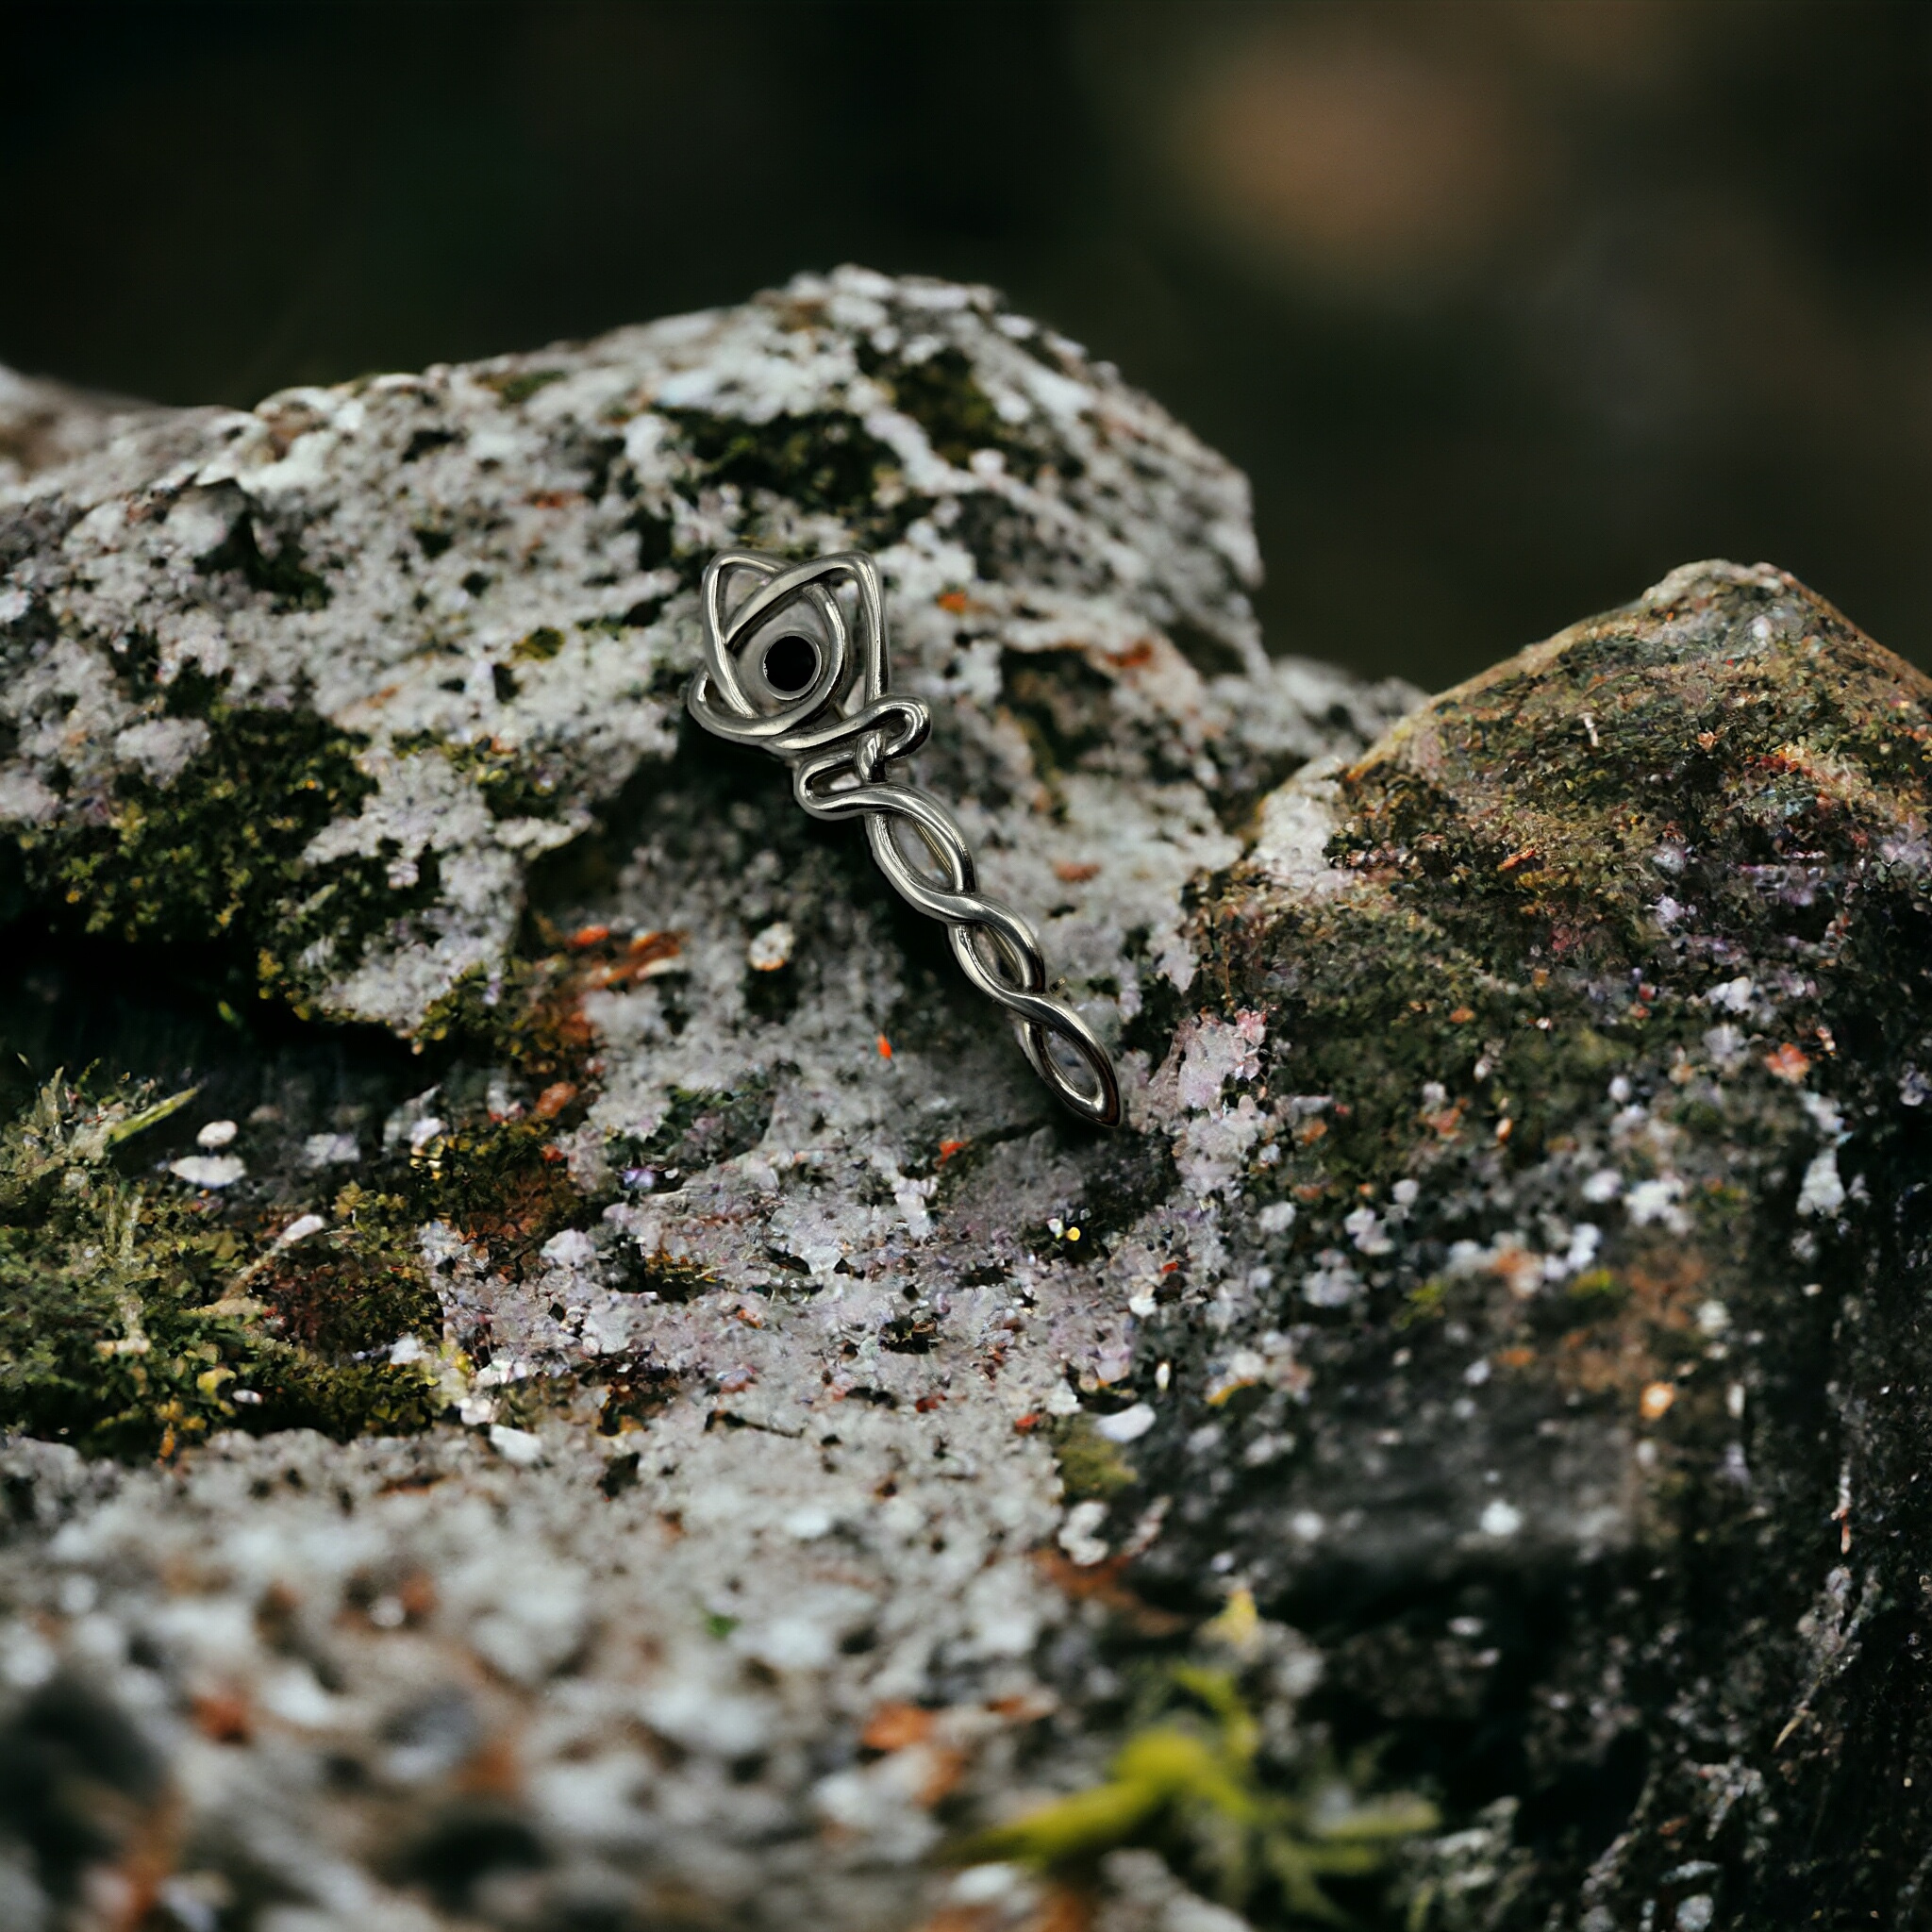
[{"x": 794, "y": 664}]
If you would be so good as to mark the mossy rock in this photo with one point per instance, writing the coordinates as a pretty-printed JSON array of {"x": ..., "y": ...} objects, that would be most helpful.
[
  {"x": 722, "y": 1438},
  {"x": 1592, "y": 1002}
]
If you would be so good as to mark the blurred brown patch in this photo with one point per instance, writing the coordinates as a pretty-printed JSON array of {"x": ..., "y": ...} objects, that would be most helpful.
[
  {"x": 224, "y": 1716},
  {"x": 893, "y": 1726},
  {"x": 1353, "y": 154}
]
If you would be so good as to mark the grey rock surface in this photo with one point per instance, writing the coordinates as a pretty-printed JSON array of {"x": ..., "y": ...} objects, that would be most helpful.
[
  {"x": 759, "y": 1446},
  {"x": 689, "y": 1437},
  {"x": 484, "y": 573}
]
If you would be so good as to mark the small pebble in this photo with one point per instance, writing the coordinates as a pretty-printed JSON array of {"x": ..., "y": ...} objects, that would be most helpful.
[
  {"x": 516, "y": 1445},
  {"x": 1500, "y": 1519},
  {"x": 209, "y": 1170},
  {"x": 770, "y": 948},
  {"x": 1129, "y": 1425}
]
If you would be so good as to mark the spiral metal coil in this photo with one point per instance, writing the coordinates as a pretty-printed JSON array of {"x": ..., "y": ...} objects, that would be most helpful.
[{"x": 794, "y": 664}]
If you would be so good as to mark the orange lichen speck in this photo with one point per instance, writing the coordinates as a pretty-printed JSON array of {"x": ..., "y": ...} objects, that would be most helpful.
[{"x": 893, "y": 1726}]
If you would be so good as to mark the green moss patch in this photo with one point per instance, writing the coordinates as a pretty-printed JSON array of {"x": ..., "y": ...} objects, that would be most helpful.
[
  {"x": 129, "y": 1318},
  {"x": 943, "y": 395},
  {"x": 517, "y": 386},
  {"x": 538, "y": 646},
  {"x": 1193, "y": 1782},
  {"x": 513, "y": 786},
  {"x": 1091, "y": 1468},
  {"x": 823, "y": 462},
  {"x": 215, "y": 856},
  {"x": 135, "y": 1318}
]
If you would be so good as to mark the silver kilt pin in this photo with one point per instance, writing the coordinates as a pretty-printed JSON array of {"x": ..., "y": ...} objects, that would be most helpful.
[{"x": 796, "y": 664}]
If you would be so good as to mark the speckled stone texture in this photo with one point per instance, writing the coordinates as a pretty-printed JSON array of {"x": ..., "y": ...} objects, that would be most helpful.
[
  {"x": 1579, "y": 1308},
  {"x": 650, "y": 1420}
]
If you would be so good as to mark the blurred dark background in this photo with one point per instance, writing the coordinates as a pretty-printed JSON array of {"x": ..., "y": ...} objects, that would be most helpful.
[{"x": 1506, "y": 305}]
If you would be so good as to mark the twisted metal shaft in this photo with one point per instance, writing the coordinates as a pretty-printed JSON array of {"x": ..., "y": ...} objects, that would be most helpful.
[{"x": 794, "y": 664}]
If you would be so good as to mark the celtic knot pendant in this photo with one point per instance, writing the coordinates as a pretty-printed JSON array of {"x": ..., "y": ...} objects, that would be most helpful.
[{"x": 794, "y": 664}]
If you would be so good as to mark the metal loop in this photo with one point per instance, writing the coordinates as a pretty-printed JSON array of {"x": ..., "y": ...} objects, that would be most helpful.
[{"x": 840, "y": 732}]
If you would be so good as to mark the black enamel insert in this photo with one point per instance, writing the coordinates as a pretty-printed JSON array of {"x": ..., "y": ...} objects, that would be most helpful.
[{"x": 790, "y": 663}]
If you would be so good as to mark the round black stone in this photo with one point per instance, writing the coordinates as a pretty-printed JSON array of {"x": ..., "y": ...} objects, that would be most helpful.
[{"x": 790, "y": 663}]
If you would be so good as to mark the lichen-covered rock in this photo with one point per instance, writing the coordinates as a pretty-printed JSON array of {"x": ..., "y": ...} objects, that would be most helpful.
[
  {"x": 1562, "y": 1373},
  {"x": 725, "y": 1232},
  {"x": 616, "y": 1400},
  {"x": 402, "y": 638}
]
